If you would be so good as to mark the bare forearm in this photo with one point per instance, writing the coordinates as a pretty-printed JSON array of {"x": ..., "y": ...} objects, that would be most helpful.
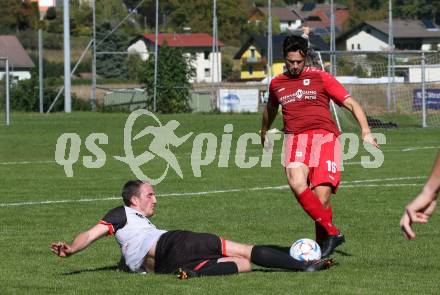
[
  {"x": 432, "y": 186},
  {"x": 80, "y": 242},
  {"x": 360, "y": 116},
  {"x": 269, "y": 114}
]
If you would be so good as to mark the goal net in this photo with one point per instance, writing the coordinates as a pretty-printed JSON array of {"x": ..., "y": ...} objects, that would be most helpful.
[{"x": 392, "y": 96}]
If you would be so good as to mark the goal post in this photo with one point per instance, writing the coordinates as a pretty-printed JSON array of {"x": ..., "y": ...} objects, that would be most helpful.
[{"x": 332, "y": 104}]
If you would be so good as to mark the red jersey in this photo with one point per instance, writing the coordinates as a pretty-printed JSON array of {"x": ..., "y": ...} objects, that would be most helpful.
[{"x": 305, "y": 99}]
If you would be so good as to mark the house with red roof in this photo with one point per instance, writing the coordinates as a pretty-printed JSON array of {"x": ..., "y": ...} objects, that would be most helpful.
[
  {"x": 196, "y": 45},
  {"x": 289, "y": 20},
  {"x": 314, "y": 15},
  {"x": 317, "y": 16}
]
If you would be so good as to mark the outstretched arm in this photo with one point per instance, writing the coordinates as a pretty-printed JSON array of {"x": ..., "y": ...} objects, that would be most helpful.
[
  {"x": 269, "y": 114},
  {"x": 355, "y": 108},
  {"x": 81, "y": 241},
  {"x": 424, "y": 205}
]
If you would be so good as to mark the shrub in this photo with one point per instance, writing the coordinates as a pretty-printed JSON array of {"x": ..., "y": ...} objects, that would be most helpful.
[{"x": 25, "y": 96}]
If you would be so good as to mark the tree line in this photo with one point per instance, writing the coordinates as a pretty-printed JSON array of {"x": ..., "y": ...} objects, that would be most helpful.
[
  {"x": 16, "y": 16},
  {"x": 22, "y": 19}
]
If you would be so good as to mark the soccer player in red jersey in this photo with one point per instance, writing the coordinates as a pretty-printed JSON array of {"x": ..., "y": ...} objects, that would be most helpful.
[{"x": 311, "y": 148}]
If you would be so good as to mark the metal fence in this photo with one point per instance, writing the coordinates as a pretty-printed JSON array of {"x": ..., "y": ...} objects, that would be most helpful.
[
  {"x": 125, "y": 99},
  {"x": 405, "y": 92}
]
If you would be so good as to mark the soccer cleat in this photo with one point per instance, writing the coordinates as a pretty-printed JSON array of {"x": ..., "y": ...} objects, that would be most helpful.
[
  {"x": 321, "y": 264},
  {"x": 182, "y": 275},
  {"x": 122, "y": 266},
  {"x": 185, "y": 274},
  {"x": 330, "y": 244}
]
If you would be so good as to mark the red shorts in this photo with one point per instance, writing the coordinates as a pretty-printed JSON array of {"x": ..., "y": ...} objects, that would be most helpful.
[{"x": 320, "y": 150}]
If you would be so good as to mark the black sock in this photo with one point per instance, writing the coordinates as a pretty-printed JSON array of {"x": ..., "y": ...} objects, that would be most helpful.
[
  {"x": 273, "y": 258},
  {"x": 218, "y": 269}
]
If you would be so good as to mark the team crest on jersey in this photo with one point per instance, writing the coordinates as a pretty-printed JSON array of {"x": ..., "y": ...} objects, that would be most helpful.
[{"x": 306, "y": 82}]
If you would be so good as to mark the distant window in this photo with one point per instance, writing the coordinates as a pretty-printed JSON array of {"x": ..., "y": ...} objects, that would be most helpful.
[
  {"x": 207, "y": 72},
  {"x": 253, "y": 52},
  {"x": 289, "y": 23},
  {"x": 314, "y": 18},
  {"x": 359, "y": 46},
  {"x": 352, "y": 46},
  {"x": 250, "y": 70},
  {"x": 429, "y": 24},
  {"x": 206, "y": 54}
]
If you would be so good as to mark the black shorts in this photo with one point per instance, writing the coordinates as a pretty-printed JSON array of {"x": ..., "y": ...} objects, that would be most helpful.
[{"x": 186, "y": 249}]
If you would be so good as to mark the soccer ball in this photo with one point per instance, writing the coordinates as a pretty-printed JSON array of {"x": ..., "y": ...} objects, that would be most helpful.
[{"x": 305, "y": 250}]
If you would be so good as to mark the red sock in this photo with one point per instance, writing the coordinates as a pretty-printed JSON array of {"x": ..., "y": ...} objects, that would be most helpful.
[
  {"x": 329, "y": 211},
  {"x": 311, "y": 204},
  {"x": 321, "y": 233}
]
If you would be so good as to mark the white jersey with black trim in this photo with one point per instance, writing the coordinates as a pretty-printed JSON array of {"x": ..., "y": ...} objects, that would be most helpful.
[{"x": 134, "y": 233}]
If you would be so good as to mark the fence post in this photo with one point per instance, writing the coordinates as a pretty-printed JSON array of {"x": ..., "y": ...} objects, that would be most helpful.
[
  {"x": 7, "y": 93},
  {"x": 67, "y": 75},
  {"x": 424, "y": 125},
  {"x": 156, "y": 49},
  {"x": 40, "y": 70},
  {"x": 93, "y": 100},
  {"x": 389, "y": 82}
]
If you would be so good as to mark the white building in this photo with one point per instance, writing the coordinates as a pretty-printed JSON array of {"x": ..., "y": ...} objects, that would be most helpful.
[
  {"x": 20, "y": 64},
  {"x": 198, "y": 45},
  {"x": 408, "y": 34},
  {"x": 414, "y": 73}
]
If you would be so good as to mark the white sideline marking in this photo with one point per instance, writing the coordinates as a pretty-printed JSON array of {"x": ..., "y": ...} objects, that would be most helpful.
[
  {"x": 384, "y": 179},
  {"x": 409, "y": 149},
  {"x": 350, "y": 184},
  {"x": 57, "y": 202},
  {"x": 382, "y": 185},
  {"x": 26, "y": 162},
  {"x": 419, "y": 148}
]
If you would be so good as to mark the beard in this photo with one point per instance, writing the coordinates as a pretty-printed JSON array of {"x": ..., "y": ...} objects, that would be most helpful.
[{"x": 295, "y": 73}]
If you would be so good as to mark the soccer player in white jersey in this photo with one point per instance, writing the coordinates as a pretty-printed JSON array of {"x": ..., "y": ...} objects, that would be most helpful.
[{"x": 145, "y": 248}]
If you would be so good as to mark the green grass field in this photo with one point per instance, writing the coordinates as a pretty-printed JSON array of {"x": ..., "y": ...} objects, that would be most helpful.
[{"x": 375, "y": 259}]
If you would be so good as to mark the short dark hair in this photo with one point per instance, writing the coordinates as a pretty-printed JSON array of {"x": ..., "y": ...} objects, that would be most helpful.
[
  {"x": 130, "y": 189},
  {"x": 294, "y": 43}
]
